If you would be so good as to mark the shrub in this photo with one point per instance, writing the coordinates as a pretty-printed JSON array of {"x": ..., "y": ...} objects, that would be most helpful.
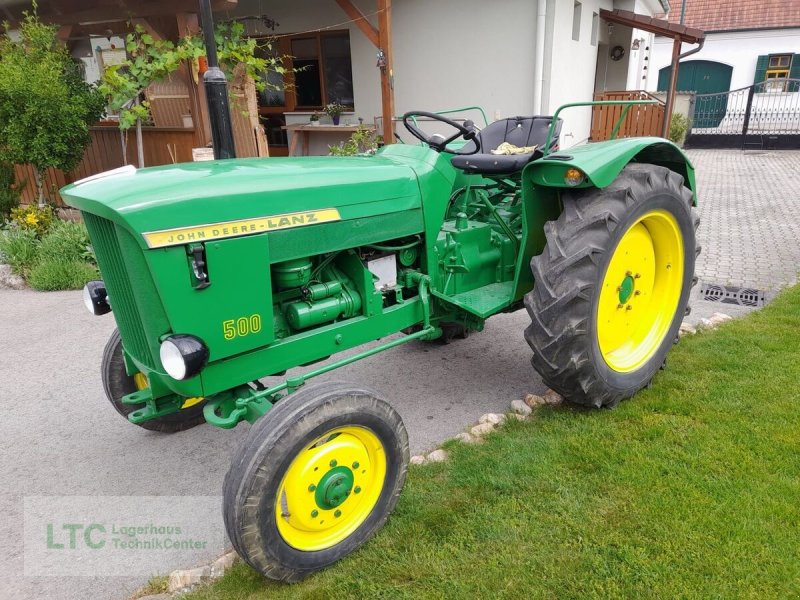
[
  {"x": 18, "y": 249},
  {"x": 9, "y": 193},
  {"x": 678, "y": 128},
  {"x": 66, "y": 240},
  {"x": 50, "y": 275},
  {"x": 363, "y": 141},
  {"x": 33, "y": 218}
]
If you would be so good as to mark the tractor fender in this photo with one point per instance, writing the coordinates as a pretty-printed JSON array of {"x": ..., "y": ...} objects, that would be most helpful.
[{"x": 602, "y": 162}]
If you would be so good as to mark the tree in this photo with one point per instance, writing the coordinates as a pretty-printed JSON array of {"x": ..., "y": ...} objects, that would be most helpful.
[{"x": 46, "y": 108}]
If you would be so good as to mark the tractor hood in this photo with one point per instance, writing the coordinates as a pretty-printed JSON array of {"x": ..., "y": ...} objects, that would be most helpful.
[{"x": 193, "y": 196}]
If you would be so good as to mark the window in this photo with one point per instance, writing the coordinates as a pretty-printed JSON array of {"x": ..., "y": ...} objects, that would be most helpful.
[
  {"x": 576, "y": 22},
  {"x": 777, "y": 72},
  {"x": 595, "y": 27},
  {"x": 323, "y": 70}
]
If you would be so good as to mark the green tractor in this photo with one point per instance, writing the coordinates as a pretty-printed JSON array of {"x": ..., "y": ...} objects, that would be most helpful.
[{"x": 223, "y": 273}]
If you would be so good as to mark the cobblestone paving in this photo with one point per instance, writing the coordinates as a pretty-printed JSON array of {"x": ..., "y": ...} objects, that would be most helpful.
[{"x": 749, "y": 207}]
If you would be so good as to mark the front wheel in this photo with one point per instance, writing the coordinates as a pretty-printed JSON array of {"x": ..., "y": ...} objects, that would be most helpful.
[
  {"x": 612, "y": 285},
  {"x": 117, "y": 383},
  {"x": 315, "y": 478}
]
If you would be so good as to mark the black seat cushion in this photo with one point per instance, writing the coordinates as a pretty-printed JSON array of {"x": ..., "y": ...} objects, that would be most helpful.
[{"x": 519, "y": 131}]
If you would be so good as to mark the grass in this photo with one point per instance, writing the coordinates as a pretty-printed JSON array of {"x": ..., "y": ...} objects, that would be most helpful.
[{"x": 691, "y": 490}]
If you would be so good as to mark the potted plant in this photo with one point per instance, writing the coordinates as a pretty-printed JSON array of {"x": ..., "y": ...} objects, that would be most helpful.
[
  {"x": 334, "y": 111},
  {"x": 315, "y": 119}
]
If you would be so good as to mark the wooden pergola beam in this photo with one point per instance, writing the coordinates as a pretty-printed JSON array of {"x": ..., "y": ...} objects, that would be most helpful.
[
  {"x": 361, "y": 21},
  {"x": 387, "y": 71}
]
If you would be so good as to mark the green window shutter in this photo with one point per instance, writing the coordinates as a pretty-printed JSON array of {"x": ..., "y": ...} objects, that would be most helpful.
[
  {"x": 761, "y": 68},
  {"x": 794, "y": 73}
]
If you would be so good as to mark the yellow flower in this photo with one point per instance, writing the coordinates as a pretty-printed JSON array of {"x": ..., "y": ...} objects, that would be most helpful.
[{"x": 32, "y": 220}]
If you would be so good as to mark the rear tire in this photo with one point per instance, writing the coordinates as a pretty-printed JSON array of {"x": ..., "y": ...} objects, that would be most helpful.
[
  {"x": 597, "y": 353},
  {"x": 328, "y": 448},
  {"x": 117, "y": 383}
]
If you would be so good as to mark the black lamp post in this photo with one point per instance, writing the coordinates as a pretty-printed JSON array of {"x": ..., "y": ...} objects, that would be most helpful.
[{"x": 216, "y": 90}]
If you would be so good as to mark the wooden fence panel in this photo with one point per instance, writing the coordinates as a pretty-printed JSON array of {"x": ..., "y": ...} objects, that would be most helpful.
[
  {"x": 161, "y": 147},
  {"x": 641, "y": 120}
]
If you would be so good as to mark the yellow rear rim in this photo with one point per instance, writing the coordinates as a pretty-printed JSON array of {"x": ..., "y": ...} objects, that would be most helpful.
[
  {"x": 640, "y": 291},
  {"x": 330, "y": 488},
  {"x": 141, "y": 383}
]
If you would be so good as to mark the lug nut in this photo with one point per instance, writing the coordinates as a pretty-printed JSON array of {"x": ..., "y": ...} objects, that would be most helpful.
[
  {"x": 338, "y": 513},
  {"x": 629, "y": 307},
  {"x": 638, "y": 275},
  {"x": 357, "y": 490},
  {"x": 620, "y": 306},
  {"x": 356, "y": 465},
  {"x": 314, "y": 514},
  {"x": 637, "y": 293},
  {"x": 333, "y": 463},
  {"x": 312, "y": 487}
]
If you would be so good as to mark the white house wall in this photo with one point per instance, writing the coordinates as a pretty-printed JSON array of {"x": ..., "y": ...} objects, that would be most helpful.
[
  {"x": 571, "y": 71},
  {"x": 450, "y": 53},
  {"x": 740, "y": 50}
]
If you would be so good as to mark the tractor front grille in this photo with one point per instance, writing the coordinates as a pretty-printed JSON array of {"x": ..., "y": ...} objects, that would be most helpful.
[{"x": 105, "y": 236}]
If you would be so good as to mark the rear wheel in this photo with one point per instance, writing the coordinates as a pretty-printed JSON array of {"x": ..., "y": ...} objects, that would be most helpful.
[
  {"x": 117, "y": 383},
  {"x": 315, "y": 478},
  {"x": 612, "y": 285}
]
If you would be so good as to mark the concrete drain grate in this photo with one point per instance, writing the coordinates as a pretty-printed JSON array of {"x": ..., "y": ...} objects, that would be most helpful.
[{"x": 732, "y": 295}]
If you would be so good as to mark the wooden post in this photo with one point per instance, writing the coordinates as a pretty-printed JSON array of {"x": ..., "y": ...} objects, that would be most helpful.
[
  {"x": 382, "y": 38},
  {"x": 673, "y": 84},
  {"x": 387, "y": 72}
]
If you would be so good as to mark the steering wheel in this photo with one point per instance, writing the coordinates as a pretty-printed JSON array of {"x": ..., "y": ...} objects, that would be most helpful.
[{"x": 439, "y": 143}]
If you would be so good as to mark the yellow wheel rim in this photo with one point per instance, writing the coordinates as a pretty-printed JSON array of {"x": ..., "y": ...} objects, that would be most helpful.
[
  {"x": 141, "y": 383},
  {"x": 640, "y": 291},
  {"x": 330, "y": 488}
]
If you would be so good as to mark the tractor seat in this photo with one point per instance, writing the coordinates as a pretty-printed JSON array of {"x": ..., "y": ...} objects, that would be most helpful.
[{"x": 519, "y": 131}]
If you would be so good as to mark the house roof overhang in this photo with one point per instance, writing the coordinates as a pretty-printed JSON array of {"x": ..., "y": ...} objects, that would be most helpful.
[{"x": 657, "y": 26}]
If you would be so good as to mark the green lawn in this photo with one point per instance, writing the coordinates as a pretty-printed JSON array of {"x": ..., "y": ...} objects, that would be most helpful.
[{"x": 690, "y": 490}]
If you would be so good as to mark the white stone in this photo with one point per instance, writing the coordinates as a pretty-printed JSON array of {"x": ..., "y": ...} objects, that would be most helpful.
[
  {"x": 466, "y": 438},
  {"x": 156, "y": 597},
  {"x": 686, "y": 329},
  {"x": 492, "y": 418},
  {"x": 552, "y": 397},
  {"x": 482, "y": 429},
  {"x": 533, "y": 400},
  {"x": 183, "y": 578},
  {"x": 222, "y": 564},
  {"x": 705, "y": 324},
  {"x": 417, "y": 460},
  {"x": 520, "y": 408},
  {"x": 519, "y": 417},
  {"x": 9, "y": 280},
  {"x": 437, "y": 456},
  {"x": 719, "y": 319}
]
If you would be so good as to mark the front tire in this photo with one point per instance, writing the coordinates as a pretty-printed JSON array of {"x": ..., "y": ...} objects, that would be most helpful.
[
  {"x": 612, "y": 285},
  {"x": 315, "y": 478},
  {"x": 117, "y": 383}
]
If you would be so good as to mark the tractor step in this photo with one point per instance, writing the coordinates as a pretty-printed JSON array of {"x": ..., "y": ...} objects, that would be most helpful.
[{"x": 484, "y": 301}]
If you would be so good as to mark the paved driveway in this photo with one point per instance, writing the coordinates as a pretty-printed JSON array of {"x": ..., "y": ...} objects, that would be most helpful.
[{"x": 58, "y": 436}]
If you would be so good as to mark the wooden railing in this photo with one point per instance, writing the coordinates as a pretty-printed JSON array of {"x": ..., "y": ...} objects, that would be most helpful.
[{"x": 644, "y": 120}]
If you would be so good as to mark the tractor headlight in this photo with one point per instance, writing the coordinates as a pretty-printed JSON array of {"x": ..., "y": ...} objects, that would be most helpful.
[
  {"x": 183, "y": 356},
  {"x": 573, "y": 177},
  {"x": 95, "y": 298}
]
